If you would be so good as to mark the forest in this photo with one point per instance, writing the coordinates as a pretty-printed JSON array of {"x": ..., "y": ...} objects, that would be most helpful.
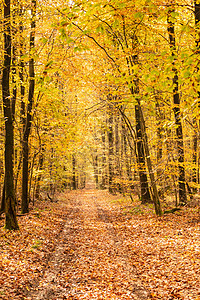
[{"x": 100, "y": 97}]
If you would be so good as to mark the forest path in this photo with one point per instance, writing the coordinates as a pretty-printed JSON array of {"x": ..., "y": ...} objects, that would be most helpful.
[{"x": 91, "y": 259}]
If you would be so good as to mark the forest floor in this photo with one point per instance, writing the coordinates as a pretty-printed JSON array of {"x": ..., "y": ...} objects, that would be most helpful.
[{"x": 91, "y": 245}]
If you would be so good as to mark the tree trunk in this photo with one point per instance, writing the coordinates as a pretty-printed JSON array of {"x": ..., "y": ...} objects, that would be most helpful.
[
  {"x": 126, "y": 159},
  {"x": 74, "y": 185},
  {"x": 144, "y": 186},
  {"x": 194, "y": 156},
  {"x": 144, "y": 139},
  {"x": 10, "y": 203},
  {"x": 177, "y": 113},
  {"x": 117, "y": 146},
  {"x": 3, "y": 204},
  {"x": 22, "y": 94},
  {"x": 143, "y": 146},
  {"x": 95, "y": 165},
  {"x": 25, "y": 148},
  {"x": 103, "y": 161},
  {"x": 41, "y": 161},
  {"x": 159, "y": 119},
  {"x": 25, "y": 200},
  {"x": 155, "y": 196},
  {"x": 110, "y": 149},
  {"x": 196, "y": 136},
  {"x": 83, "y": 174}
]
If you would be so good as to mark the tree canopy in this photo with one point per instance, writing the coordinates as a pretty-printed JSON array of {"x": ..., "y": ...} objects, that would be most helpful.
[{"x": 99, "y": 90}]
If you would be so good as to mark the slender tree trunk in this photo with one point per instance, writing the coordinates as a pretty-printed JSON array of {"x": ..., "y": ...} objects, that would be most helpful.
[
  {"x": 145, "y": 194},
  {"x": 13, "y": 104},
  {"x": 131, "y": 61},
  {"x": 14, "y": 59},
  {"x": 143, "y": 146},
  {"x": 196, "y": 135},
  {"x": 177, "y": 113},
  {"x": 144, "y": 186},
  {"x": 117, "y": 146},
  {"x": 198, "y": 172},
  {"x": 25, "y": 200},
  {"x": 147, "y": 157},
  {"x": 97, "y": 171},
  {"x": 21, "y": 77},
  {"x": 159, "y": 138},
  {"x": 83, "y": 175},
  {"x": 51, "y": 181},
  {"x": 118, "y": 150},
  {"x": 2, "y": 188},
  {"x": 25, "y": 149},
  {"x": 126, "y": 160},
  {"x": 110, "y": 149},
  {"x": 14, "y": 92},
  {"x": 74, "y": 185},
  {"x": 122, "y": 173},
  {"x": 155, "y": 196},
  {"x": 95, "y": 165},
  {"x": 194, "y": 155},
  {"x": 103, "y": 160},
  {"x": 41, "y": 162},
  {"x": 10, "y": 202},
  {"x": 31, "y": 175},
  {"x": 3, "y": 204},
  {"x": 22, "y": 94}
]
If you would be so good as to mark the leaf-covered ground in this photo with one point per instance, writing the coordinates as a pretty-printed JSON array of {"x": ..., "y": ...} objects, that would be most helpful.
[{"x": 91, "y": 245}]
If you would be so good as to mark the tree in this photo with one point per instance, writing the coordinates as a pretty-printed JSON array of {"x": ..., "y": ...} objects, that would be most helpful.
[
  {"x": 26, "y": 133},
  {"x": 177, "y": 112},
  {"x": 10, "y": 201},
  {"x": 195, "y": 122}
]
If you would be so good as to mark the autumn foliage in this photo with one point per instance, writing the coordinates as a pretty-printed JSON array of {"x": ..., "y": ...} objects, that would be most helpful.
[{"x": 100, "y": 94}]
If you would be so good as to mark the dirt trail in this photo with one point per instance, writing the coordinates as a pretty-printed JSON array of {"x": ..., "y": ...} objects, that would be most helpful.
[{"x": 90, "y": 260}]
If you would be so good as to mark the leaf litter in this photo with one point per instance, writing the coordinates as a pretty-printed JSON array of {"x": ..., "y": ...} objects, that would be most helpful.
[{"x": 92, "y": 245}]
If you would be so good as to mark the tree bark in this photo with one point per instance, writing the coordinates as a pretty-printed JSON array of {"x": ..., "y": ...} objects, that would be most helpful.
[
  {"x": 41, "y": 161},
  {"x": 117, "y": 146},
  {"x": 135, "y": 90},
  {"x": 10, "y": 203},
  {"x": 177, "y": 112},
  {"x": 103, "y": 161},
  {"x": 194, "y": 155},
  {"x": 3, "y": 204},
  {"x": 159, "y": 119},
  {"x": 96, "y": 167},
  {"x": 155, "y": 196},
  {"x": 144, "y": 186},
  {"x": 195, "y": 175},
  {"x": 22, "y": 94},
  {"x": 74, "y": 182},
  {"x": 110, "y": 149},
  {"x": 25, "y": 148}
]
